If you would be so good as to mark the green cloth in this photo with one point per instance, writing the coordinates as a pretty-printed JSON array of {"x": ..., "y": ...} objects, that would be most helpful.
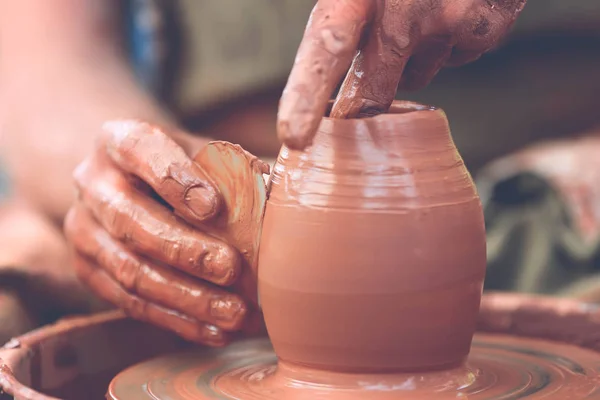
[{"x": 534, "y": 244}]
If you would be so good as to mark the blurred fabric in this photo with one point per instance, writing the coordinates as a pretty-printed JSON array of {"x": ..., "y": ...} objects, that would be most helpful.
[{"x": 542, "y": 212}]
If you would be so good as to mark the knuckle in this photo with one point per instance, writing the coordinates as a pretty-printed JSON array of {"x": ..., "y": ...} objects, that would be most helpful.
[
  {"x": 225, "y": 256},
  {"x": 402, "y": 43},
  {"x": 165, "y": 174},
  {"x": 482, "y": 30},
  {"x": 335, "y": 41},
  {"x": 128, "y": 141},
  {"x": 134, "y": 306},
  {"x": 121, "y": 223},
  {"x": 175, "y": 251},
  {"x": 177, "y": 172},
  {"x": 129, "y": 272},
  {"x": 229, "y": 310}
]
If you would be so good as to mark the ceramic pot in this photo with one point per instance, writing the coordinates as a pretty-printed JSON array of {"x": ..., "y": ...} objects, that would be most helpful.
[{"x": 372, "y": 254}]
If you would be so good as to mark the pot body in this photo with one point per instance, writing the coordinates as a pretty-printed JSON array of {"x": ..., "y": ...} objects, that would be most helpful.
[{"x": 372, "y": 252}]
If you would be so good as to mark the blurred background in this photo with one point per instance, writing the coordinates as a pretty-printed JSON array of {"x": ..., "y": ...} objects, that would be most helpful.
[{"x": 524, "y": 117}]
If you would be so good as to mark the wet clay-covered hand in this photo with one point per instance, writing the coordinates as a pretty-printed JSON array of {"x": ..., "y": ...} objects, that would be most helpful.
[
  {"x": 386, "y": 44},
  {"x": 139, "y": 231}
]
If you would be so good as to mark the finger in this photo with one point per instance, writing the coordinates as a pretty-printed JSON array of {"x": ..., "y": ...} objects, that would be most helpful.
[
  {"x": 157, "y": 284},
  {"x": 148, "y": 153},
  {"x": 485, "y": 25},
  {"x": 371, "y": 85},
  {"x": 154, "y": 231},
  {"x": 104, "y": 286},
  {"x": 425, "y": 62},
  {"x": 327, "y": 49}
]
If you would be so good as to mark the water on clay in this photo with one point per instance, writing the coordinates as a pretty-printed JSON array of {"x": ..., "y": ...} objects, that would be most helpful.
[{"x": 499, "y": 367}]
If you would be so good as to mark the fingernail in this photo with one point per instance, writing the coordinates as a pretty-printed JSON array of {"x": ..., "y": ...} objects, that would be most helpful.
[
  {"x": 213, "y": 336},
  {"x": 221, "y": 265},
  {"x": 228, "y": 309},
  {"x": 202, "y": 201}
]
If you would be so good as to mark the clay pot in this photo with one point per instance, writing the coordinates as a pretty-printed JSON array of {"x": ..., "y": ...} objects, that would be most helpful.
[{"x": 372, "y": 252}]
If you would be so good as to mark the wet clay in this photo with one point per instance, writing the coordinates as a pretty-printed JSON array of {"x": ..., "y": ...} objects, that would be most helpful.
[
  {"x": 381, "y": 45},
  {"x": 238, "y": 175},
  {"x": 499, "y": 367},
  {"x": 372, "y": 254}
]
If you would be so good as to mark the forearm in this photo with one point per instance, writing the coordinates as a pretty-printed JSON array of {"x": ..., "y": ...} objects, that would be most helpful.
[
  {"x": 33, "y": 30},
  {"x": 63, "y": 73}
]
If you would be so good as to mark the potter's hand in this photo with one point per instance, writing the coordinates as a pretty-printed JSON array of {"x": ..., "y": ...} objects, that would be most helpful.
[
  {"x": 394, "y": 43},
  {"x": 138, "y": 196}
]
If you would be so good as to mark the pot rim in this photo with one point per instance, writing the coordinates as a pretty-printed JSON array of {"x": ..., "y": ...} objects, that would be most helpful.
[{"x": 397, "y": 108}]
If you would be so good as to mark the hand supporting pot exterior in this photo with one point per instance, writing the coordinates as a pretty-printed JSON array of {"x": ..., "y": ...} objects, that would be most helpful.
[
  {"x": 141, "y": 235},
  {"x": 386, "y": 44}
]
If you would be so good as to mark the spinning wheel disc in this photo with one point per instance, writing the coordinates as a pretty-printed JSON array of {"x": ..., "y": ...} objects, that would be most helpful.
[{"x": 499, "y": 367}]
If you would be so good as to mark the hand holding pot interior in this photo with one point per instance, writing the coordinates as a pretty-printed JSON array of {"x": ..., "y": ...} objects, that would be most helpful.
[
  {"x": 394, "y": 43},
  {"x": 137, "y": 232}
]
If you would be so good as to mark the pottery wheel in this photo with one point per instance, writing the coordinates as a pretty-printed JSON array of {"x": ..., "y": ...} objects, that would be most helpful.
[{"x": 499, "y": 367}]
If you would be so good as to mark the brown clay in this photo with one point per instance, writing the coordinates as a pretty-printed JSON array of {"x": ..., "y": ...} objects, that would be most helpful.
[
  {"x": 372, "y": 254},
  {"x": 499, "y": 367},
  {"x": 238, "y": 175}
]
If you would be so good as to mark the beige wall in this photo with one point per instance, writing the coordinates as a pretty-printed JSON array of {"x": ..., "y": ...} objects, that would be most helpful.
[{"x": 236, "y": 46}]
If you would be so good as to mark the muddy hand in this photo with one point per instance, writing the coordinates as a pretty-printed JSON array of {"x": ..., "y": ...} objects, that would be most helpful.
[
  {"x": 386, "y": 44},
  {"x": 133, "y": 249}
]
